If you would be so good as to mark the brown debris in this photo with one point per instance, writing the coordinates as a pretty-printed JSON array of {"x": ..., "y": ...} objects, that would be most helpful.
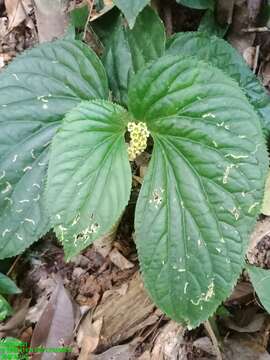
[
  {"x": 169, "y": 343},
  {"x": 259, "y": 246},
  {"x": 52, "y": 19},
  {"x": 123, "y": 314},
  {"x": 55, "y": 326}
]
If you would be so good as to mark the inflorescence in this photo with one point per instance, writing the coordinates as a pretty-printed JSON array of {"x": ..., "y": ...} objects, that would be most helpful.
[{"x": 138, "y": 139}]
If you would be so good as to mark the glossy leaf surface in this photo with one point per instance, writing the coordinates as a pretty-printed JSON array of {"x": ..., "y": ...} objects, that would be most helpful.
[
  {"x": 203, "y": 187},
  {"x": 131, "y": 9},
  {"x": 36, "y": 90},
  {"x": 89, "y": 176},
  {"x": 221, "y": 54},
  {"x": 129, "y": 50}
]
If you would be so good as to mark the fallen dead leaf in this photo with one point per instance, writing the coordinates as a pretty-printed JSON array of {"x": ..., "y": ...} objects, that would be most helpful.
[
  {"x": 88, "y": 339},
  {"x": 17, "y": 11},
  {"x": 104, "y": 244},
  {"x": 254, "y": 325},
  {"x": 244, "y": 349},
  {"x": 120, "y": 352},
  {"x": 145, "y": 356},
  {"x": 241, "y": 21},
  {"x": 46, "y": 286},
  {"x": 123, "y": 315},
  {"x": 261, "y": 230},
  {"x": 55, "y": 326},
  {"x": 169, "y": 343},
  {"x": 119, "y": 260},
  {"x": 52, "y": 19},
  {"x": 242, "y": 293},
  {"x": 204, "y": 344},
  {"x": 249, "y": 56}
]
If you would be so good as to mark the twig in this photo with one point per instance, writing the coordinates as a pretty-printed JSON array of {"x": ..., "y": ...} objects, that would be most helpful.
[
  {"x": 213, "y": 338},
  {"x": 168, "y": 19},
  {"x": 91, "y": 5},
  {"x": 29, "y": 18},
  {"x": 13, "y": 265},
  {"x": 256, "y": 29},
  {"x": 256, "y": 59}
]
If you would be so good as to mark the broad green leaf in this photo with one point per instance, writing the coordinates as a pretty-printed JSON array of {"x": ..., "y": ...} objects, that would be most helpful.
[
  {"x": 5, "y": 308},
  {"x": 131, "y": 9},
  {"x": 36, "y": 90},
  {"x": 89, "y": 176},
  {"x": 210, "y": 25},
  {"x": 105, "y": 25},
  {"x": 79, "y": 17},
  {"x": 197, "y": 4},
  {"x": 118, "y": 64},
  {"x": 203, "y": 187},
  {"x": 7, "y": 286},
  {"x": 222, "y": 55},
  {"x": 129, "y": 50},
  {"x": 260, "y": 279},
  {"x": 147, "y": 38}
]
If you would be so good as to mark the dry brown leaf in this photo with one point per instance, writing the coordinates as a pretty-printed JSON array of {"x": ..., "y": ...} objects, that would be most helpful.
[
  {"x": 249, "y": 56},
  {"x": 52, "y": 18},
  {"x": 88, "y": 339},
  {"x": 242, "y": 293},
  {"x": 169, "y": 343},
  {"x": 244, "y": 349},
  {"x": 261, "y": 230},
  {"x": 123, "y": 315},
  {"x": 104, "y": 244},
  {"x": 145, "y": 356},
  {"x": 254, "y": 325},
  {"x": 121, "y": 352},
  {"x": 17, "y": 11},
  {"x": 56, "y": 324},
  {"x": 119, "y": 260},
  {"x": 204, "y": 344},
  {"x": 241, "y": 20},
  {"x": 46, "y": 286}
]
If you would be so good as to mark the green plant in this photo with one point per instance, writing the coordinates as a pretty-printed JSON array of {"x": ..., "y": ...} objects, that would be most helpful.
[
  {"x": 205, "y": 180},
  {"x": 7, "y": 287},
  {"x": 198, "y": 4}
]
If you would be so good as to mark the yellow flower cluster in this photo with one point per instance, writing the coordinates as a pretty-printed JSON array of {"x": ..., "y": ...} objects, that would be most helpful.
[{"x": 138, "y": 139}]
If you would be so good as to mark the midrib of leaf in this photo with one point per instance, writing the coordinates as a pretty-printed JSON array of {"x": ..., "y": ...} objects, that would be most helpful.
[
  {"x": 98, "y": 168},
  {"x": 198, "y": 177},
  {"x": 109, "y": 152},
  {"x": 167, "y": 163}
]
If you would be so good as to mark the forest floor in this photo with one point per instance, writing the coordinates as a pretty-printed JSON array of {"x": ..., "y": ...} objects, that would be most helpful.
[{"x": 115, "y": 319}]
